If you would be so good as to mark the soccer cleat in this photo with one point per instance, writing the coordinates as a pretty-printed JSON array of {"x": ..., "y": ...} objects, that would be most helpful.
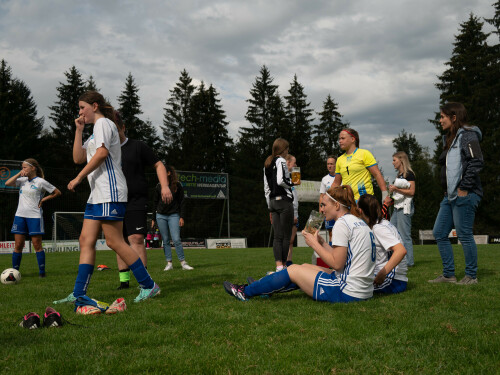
[
  {"x": 467, "y": 280},
  {"x": 147, "y": 293},
  {"x": 168, "y": 267},
  {"x": 237, "y": 291},
  {"x": 52, "y": 318},
  {"x": 117, "y": 306},
  {"x": 69, "y": 299},
  {"x": 186, "y": 267},
  {"x": 86, "y": 306},
  {"x": 30, "y": 321},
  {"x": 444, "y": 279}
]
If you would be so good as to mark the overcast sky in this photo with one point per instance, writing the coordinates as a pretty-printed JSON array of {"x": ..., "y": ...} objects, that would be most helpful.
[{"x": 378, "y": 59}]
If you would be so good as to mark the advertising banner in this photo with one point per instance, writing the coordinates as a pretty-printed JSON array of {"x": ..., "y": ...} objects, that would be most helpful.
[
  {"x": 7, "y": 247},
  {"x": 308, "y": 191},
  {"x": 203, "y": 185},
  {"x": 226, "y": 243},
  {"x": 9, "y": 168}
]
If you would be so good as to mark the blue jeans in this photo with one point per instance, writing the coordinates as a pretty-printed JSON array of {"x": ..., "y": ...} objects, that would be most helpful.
[
  {"x": 166, "y": 222},
  {"x": 460, "y": 213},
  {"x": 403, "y": 223}
]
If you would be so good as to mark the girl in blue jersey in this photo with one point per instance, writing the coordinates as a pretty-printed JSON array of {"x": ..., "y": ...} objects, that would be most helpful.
[
  {"x": 107, "y": 202},
  {"x": 390, "y": 267},
  {"x": 352, "y": 256},
  {"x": 29, "y": 215}
]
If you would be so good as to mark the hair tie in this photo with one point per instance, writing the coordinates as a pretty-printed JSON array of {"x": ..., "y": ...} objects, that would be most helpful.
[
  {"x": 333, "y": 199},
  {"x": 347, "y": 131},
  {"x": 29, "y": 163}
]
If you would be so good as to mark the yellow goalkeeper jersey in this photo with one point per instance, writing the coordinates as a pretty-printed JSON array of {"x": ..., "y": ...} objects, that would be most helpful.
[{"x": 353, "y": 170}]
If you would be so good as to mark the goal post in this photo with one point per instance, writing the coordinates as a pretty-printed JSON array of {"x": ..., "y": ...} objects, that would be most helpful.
[{"x": 66, "y": 232}]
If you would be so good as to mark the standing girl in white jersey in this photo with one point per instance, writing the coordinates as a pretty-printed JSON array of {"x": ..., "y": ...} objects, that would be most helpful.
[
  {"x": 29, "y": 215},
  {"x": 391, "y": 267},
  {"x": 352, "y": 256},
  {"x": 107, "y": 202}
]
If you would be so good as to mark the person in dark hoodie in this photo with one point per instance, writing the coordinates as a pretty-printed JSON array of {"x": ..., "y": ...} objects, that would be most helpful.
[
  {"x": 461, "y": 162},
  {"x": 170, "y": 218}
]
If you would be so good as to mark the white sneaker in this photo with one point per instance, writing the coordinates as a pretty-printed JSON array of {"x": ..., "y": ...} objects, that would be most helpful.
[
  {"x": 186, "y": 267},
  {"x": 169, "y": 267}
]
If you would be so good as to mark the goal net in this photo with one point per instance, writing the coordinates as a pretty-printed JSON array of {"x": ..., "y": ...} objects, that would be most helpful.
[{"x": 66, "y": 231}]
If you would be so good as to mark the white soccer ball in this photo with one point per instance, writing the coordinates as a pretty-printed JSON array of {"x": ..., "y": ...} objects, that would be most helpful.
[{"x": 10, "y": 276}]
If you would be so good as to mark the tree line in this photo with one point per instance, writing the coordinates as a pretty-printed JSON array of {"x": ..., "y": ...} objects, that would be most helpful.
[{"x": 194, "y": 133}]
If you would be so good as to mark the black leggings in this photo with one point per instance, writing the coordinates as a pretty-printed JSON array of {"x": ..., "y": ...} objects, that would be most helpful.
[{"x": 282, "y": 214}]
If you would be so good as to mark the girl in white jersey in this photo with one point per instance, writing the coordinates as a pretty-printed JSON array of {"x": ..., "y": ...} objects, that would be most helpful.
[
  {"x": 29, "y": 215},
  {"x": 352, "y": 256},
  {"x": 390, "y": 268},
  {"x": 106, "y": 204}
]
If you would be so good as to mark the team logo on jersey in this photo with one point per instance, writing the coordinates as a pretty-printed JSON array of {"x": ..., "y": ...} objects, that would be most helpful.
[{"x": 33, "y": 187}]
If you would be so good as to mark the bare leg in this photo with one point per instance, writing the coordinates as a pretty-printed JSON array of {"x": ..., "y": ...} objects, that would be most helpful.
[
  {"x": 37, "y": 243},
  {"x": 20, "y": 240},
  {"x": 113, "y": 232},
  {"x": 290, "y": 248},
  {"x": 304, "y": 277},
  {"x": 137, "y": 244},
  {"x": 88, "y": 238}
]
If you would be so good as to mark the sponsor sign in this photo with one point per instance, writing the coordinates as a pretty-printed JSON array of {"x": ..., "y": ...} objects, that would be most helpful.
[
  {"x": 7, "y": 247},
  {"x": 494, "y": 239},
  {"x": 189, "y": 243},
  {"x": 9, "y": 168},
  {"x": 226, "y": 243},
  {"x": 68, "y": 246},
  {"x": 202, "y": 185},
  {"x": 308, "y": 191}
]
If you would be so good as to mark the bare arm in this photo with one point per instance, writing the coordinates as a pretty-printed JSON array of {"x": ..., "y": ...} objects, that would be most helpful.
[
  {"x": 79, "y": 153},
  {"x": 161, "y": 172},
  {"x": 334, "y": 256},
  {"x": 94, "y": 163},
  {"x": 396, "y": 258},
  {"x": 52, "y": 195},
  {"x": 12, "y": 181},
  {"x": 337, "y": 180},
  {"x": 378, "y": 177}
]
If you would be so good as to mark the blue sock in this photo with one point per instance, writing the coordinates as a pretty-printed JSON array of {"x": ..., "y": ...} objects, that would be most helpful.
[
  {"x": 330, "y": 243},
  {"x": 16, "y": 260},
  {"x": 85, "y": 272},
  {"x": 40, "y": 257},
  {"x": 141, "y": 274},
  {"x": 275, "y": 282}
]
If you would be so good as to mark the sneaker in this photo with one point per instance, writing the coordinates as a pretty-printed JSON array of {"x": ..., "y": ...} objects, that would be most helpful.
[
  {"x": 118, "y": 306},
  {"x": 288, "y": 263},
  {"x": 30, "y": 321},
  {"x": 444, "y": 279},
  {"x": 168, "y": 267},
  {"x": 123, "y": 285},
  {"x": 186, "y": 267},
  {"x": 237, "y": 291},
  {"x": 148, "y": 293},
  {"x": 467, "y": 280},
  {"x": 52, "y": 318},
  {"x": 87, "y": 306},
  {"x": 69, "y": 299}
]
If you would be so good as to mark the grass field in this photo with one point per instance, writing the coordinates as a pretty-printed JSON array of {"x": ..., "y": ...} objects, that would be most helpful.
[{"x": 194, "y": 327}]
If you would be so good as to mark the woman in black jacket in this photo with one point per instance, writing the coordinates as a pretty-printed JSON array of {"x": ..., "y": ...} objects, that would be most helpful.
[{"x": 170, "y": 218}]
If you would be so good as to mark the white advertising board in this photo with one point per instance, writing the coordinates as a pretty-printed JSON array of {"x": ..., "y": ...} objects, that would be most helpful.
[
  {"x": 226, "y": 243},
  {"x": 7, "y": 247}
]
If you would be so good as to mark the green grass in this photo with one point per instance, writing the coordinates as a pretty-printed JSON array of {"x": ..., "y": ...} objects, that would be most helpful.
[{"x": 194, "y": 327}]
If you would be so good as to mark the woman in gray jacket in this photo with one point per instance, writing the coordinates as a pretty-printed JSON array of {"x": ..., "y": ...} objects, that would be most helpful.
[{"x": 461, "y": 163}]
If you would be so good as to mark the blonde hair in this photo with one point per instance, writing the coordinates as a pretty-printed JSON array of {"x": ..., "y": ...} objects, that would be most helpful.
[
  {"x": 36, "y": 165},
  {"x": 405, "y": 162},
  {"x": 279, "y": 145}
]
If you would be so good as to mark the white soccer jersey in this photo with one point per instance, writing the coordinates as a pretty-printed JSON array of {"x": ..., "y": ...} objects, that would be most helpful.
[
  {"x": 326, "y": 183},
  {"x": 30, "y": 195},
  {"x": 356, "y": 279},
  {"x": 107, "y": 182},
  {"x": 386, "y": 236}
]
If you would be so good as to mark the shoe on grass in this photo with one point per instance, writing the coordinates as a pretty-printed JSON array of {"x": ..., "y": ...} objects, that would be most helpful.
[
  {"x": 444, "y": 279},
  {"x": 117, "y": 306},
  {"x": 235, "y": 290},
  {"x": 123, "y": 285},
  {"x": 30, "y": 321},
  {"x": 169, "y": 267},
  {"x": 52, "y": 318},
  {"x": 186, "y": 267},
  {"x": 467, "y": 280},
  {"x": 69, "y": 299},
  {"x": 87, "y": 306},
  {"x": 148, "y": 293}
]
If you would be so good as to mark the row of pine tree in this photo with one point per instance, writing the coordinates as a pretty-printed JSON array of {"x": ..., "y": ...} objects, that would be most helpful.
[{"x": 194, "y": 133}]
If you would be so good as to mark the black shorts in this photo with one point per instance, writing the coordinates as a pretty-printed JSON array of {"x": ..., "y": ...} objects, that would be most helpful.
[{"x": 135, "y": 222}]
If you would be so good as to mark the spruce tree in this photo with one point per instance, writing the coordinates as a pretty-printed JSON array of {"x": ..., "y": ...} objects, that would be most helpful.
[
  {"x": 130, "y": 109},
  {"x": 177, "y": 118},
  {"x": 408, "y": 143},
  {"x": 326, "y": 133},
  {"x": 20, "y": 128}
]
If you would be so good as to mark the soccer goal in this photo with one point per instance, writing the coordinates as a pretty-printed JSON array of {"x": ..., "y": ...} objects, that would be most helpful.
[{"x": 66, "y": 231}]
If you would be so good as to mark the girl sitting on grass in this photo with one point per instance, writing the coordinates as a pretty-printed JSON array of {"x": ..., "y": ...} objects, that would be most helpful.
[
  {"x": 352, "y": 256},
  {"x": 391, "y": 267}
]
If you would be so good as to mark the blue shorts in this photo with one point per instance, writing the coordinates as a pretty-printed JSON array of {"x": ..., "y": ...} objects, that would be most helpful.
[
  {"x": 329, "y": 224},
  {"x": 28, "y": 225},
  {"x": 114, "y": 211},
  {"x": 390, "y": 286},
  {"x": 327, "y": 289}
]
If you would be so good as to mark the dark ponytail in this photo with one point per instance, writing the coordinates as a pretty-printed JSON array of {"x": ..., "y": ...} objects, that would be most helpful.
[{"x": 371, "y": 208}]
